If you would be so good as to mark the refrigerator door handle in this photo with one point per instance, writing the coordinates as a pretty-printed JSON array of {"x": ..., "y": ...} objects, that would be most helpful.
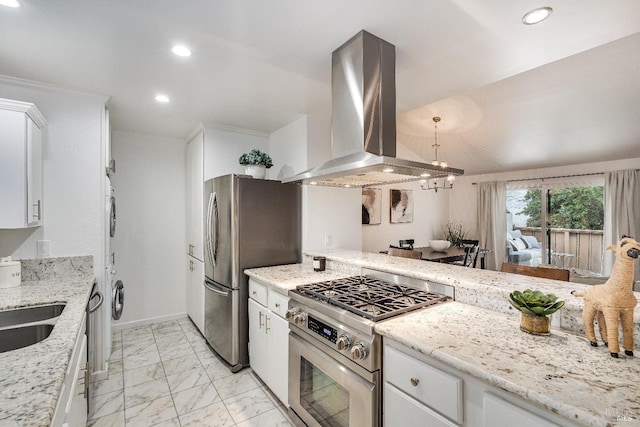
[
  {"x": 208, "y": 230},
  {"x": 210, "y": 287},
  {"x": 216, "y": 229}
]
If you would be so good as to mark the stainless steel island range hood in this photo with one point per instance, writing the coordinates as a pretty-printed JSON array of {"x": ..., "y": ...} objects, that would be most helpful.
[{"x": 363, "y": 122}]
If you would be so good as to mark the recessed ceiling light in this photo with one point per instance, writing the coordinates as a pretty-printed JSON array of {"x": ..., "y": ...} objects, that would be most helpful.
[
  {"x": 387, "y": 170},
  {"x": 536, "y": 16},
  {"x": 162, "y": 98},
  {"x": 181, "y": 51},
  {"x": 9, "y": 3}
]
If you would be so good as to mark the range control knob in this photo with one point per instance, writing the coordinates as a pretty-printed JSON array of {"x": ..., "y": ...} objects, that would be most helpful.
[
  {"x": 300, "y": 319},
  {"x": 343, "y": 343},
  {"x": 358, "y": 351},
  {"x": 290, "y": 313}
]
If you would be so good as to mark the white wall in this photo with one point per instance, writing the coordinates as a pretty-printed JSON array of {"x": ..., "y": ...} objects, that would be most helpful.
[
  {"x": 223, "y": 148},
  {"x": 331, "y": 217},
  {"x": 73, "y": 174},
  {"x": 150, "y": 236},
  {"x": 430, "y": 214},
  {"x": 463, "y": 200}
]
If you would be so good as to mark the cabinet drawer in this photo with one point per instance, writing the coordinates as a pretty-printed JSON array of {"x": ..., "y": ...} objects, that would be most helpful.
[
  {"x": 500, "y": 413},
  {"x": 278, "y": 303},
  {"x": 258, "y": 292},
  {"x": 437, "y": 389},
  {"x": 402, "y": 410}
]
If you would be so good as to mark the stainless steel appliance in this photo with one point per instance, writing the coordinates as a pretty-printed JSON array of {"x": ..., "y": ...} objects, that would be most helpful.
[
  {"x": 248, "y": 223},
  {"x": 363, "y": 121},
  {"x": 335, "y": 356}
]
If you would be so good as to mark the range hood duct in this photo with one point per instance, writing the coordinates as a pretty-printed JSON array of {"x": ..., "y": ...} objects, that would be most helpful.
[{"x": 363, "y": 123}]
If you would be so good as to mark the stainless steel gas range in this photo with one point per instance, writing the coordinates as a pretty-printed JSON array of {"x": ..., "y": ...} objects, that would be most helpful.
[{"x": 335, "y": 356}]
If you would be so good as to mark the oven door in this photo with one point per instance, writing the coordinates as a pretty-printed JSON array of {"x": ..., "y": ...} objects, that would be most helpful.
[{"x": 325, "y": 392}]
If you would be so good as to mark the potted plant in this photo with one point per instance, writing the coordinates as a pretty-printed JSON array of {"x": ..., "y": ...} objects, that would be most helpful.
[
  {"x": 256, "y": 163},
  {"x": 454, "y": 233},
  {"x": 534, "y": 307}
]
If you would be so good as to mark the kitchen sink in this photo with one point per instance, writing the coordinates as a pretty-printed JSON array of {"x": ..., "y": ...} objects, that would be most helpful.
[
  {"x": 37, "y": 313},
  {"x": 22, "y": 327},
  {"x": 24, "y": 336}
]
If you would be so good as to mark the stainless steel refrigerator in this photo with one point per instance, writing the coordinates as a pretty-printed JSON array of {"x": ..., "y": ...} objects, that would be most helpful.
[{"x": 248, "y": 223}]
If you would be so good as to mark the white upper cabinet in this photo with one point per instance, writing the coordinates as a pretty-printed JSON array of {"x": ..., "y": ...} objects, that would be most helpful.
[{"x": 21, "y": 127}]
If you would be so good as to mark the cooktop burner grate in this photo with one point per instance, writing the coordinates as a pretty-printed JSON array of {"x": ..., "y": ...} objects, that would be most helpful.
[{"x": 370, "y": 297}]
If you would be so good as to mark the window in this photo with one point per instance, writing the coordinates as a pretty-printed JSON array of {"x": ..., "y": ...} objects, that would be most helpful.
[{"x": 565, "y": 216}]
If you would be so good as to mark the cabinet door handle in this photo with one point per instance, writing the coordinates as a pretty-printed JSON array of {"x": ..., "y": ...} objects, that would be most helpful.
[
  {"x": 86, "y": 380},
  {"x": 36, "y": 215},
  {"x": 277, "y": 305},
  {"x": 261, "y": 323},
  {"x": 254, "y": 293},
  {"x": 414, "y": 382},
  {"x": 190, "y": 265},
  {"x": 266, "y": 324}
]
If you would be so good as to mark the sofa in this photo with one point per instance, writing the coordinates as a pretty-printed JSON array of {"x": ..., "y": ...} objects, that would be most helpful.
[{"x": 525, "y": 250}]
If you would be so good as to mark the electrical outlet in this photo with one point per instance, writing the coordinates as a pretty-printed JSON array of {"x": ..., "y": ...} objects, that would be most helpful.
[
  {"x": 43, "y": 248},
  {"x": 328, "y": 240}
]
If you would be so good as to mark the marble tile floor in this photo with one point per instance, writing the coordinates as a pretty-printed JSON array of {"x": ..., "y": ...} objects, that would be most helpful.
[{"x": 165, "y": 375}]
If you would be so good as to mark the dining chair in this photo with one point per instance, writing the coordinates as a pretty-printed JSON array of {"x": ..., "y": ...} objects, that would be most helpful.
[
  {"x": 543, "y": 272},
  {"x": 471, "y": 251},
  {"x": 404, "y": 253}
]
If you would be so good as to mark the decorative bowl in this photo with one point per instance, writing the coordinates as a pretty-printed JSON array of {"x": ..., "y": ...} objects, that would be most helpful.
[{"x": 439, "y": 245}]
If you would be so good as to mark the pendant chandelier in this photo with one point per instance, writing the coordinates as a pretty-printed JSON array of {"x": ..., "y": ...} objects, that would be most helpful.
[{"x": 445, "y": 183}]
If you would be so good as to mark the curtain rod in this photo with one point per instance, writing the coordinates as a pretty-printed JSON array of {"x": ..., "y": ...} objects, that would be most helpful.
[{"x": 553, "y": 177}]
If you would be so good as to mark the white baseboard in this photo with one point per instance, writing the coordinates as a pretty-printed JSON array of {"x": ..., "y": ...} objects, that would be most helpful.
[{"x": 146, "y": 322}]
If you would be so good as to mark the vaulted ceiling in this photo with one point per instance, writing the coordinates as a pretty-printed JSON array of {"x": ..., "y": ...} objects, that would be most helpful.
[{"x": 510, "y": 96}]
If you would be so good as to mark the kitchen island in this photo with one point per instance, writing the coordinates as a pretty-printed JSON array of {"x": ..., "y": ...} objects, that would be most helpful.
[
  {"x": 478, "y": 337},
  {"x": 32, "y": 378}
]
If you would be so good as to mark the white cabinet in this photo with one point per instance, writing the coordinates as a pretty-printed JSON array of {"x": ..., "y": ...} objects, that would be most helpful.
[
  {"x": 269, "y": 338},
  {"x": 195, "y": 292},
  {"x": 195, "y": 215},
  {"x": 419, "y": 390},
  {"x": 438, "y": 390},
  {"x": 71, "y": 409},
  {"x": 20, "y": 164},
  {"x": 500, "y": 413}
]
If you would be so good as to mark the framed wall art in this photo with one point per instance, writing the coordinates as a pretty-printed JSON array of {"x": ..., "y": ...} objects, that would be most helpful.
[
  {"x": 401, "y": 206},
  {"x": 371, "y": 205}
]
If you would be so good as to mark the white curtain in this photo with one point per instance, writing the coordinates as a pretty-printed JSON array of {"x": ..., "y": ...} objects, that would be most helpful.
[
  {"x": 622, "y": 212},
  {"x": 492, "y": 221}
]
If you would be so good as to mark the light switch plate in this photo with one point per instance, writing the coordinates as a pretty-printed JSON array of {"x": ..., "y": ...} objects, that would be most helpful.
[{"x": 44, "y": 248}]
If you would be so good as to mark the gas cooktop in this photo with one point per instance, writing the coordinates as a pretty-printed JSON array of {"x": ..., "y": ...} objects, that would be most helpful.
[{"x": 370, "y": 297}]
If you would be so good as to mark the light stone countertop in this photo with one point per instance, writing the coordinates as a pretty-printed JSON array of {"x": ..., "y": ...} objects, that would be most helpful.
[
  {"x": 560, "y": 372},
  {"x": 283, "y": 278},
  {"x": 31, "y": 378},
  {"x": 479, "y": 334},
  {"x": 482, "y": 288}
]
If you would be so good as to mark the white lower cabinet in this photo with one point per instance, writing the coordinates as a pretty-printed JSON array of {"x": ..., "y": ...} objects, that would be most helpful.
[
  {"x": 71, "y": 409},
  {"x": 195, "y": 292},
  {"x": 419, "y": 390},
  {"x": 269, "y": 338},
  {"x": 500, "y": 413}
]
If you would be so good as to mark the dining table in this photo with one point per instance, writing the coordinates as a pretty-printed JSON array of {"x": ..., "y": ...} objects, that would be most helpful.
[{"x": 449, "y": 255}]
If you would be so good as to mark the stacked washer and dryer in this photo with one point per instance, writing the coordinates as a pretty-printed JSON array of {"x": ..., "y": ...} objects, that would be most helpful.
[{"x": 117, "y": 288}]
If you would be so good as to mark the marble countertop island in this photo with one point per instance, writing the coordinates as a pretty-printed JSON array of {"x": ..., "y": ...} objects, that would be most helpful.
[
  {"x": 560, "y": 372},
  {"x": 481, "y": 288},
  {"x": 31, "y": 378},
  {"x": 479, "y": 334}
]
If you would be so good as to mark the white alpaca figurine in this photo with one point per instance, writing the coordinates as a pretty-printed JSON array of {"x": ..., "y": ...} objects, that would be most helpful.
[{"x": 613, "y": 301}]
